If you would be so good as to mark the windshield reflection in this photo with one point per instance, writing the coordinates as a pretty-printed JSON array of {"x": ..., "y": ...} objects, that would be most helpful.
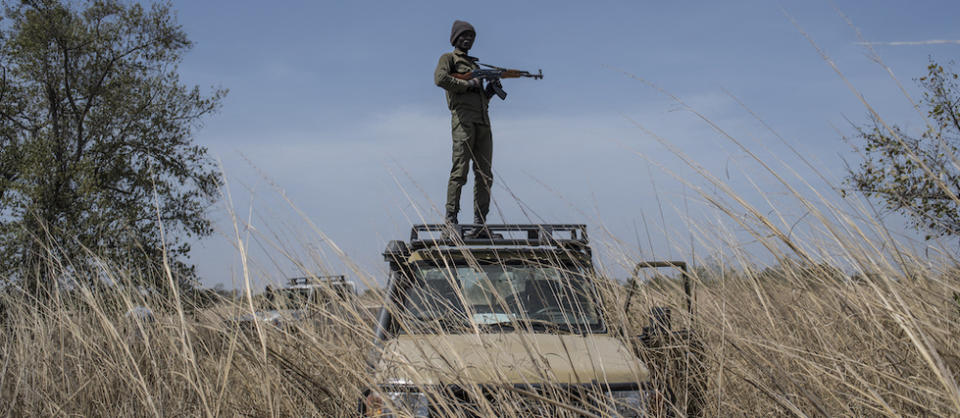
[{"x": 502, "y": 297}]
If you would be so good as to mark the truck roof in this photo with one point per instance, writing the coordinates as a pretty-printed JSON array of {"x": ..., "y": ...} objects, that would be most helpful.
[
  {"x": 427, "y": 241},
  {"x": 314, "y": 281}
]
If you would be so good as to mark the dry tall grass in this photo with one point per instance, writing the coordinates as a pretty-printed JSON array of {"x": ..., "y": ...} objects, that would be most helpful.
[{"x": 798, "y": 338}]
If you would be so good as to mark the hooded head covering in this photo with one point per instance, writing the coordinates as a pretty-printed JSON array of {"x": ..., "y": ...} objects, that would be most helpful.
[{"x": 459, "y": 27}]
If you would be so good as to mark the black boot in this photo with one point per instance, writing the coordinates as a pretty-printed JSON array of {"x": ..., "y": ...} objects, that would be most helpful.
[
  {"x": 480, "y": 232},
  {"x": 450, "y": 226}
]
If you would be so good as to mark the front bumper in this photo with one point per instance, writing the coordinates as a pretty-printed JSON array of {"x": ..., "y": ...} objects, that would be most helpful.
[{"x": 624, "y": 399}]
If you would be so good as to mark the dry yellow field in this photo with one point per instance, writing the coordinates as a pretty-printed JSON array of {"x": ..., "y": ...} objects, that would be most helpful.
[{"x": 786, "y": 341}]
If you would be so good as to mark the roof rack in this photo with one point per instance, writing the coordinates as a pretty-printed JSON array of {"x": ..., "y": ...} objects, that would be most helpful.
[
  {"x": 501, "y": 235},
  {"x": 331, "y": 279}
]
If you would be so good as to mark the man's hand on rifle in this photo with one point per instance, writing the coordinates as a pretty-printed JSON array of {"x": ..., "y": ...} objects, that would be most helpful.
[{"x": 474, "y": 84}]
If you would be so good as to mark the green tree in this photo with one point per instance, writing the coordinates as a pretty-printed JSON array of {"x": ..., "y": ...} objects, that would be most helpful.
[
  {"x": 96, "y": 143},
  {"x": 918, "y": 176}
]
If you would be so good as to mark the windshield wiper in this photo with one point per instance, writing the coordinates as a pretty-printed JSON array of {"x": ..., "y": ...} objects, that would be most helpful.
[
  {"x": 445, "y": 321},
  {"x": 533, "y": 324}
]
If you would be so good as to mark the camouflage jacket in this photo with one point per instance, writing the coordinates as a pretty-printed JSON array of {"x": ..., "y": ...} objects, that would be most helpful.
[{"x": 466, "y": 104}]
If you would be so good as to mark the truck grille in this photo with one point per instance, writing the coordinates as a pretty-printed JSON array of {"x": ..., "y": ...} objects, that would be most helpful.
[{"x": 567, "y": 401}]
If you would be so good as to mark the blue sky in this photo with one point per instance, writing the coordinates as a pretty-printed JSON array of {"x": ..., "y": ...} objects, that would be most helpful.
[{"x": 334, "y": 103}]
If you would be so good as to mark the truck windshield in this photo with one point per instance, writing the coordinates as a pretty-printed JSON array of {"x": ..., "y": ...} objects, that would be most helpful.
[
  {"x": 290, "y": 298},
  {"x": 503, "y": 297}
]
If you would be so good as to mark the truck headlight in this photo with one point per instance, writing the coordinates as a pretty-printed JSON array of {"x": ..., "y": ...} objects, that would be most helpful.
[
  {"x": 398, "y": 404},
  {"x": 630, "y": 403}
]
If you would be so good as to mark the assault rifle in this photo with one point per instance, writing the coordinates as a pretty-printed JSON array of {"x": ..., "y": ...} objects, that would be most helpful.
[{"x": 492, "y": 74}]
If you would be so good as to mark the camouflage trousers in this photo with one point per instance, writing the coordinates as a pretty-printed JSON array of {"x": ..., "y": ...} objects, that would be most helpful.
[{"x": 471, "y": 142}]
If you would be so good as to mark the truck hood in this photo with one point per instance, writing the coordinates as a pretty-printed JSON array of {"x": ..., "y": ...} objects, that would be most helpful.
[
  {"x": 508, "y": 358},
  {"x": 272, "y": 316}
]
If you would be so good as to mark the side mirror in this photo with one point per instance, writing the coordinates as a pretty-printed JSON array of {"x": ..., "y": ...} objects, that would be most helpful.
[{"x": 680, "y": 265}]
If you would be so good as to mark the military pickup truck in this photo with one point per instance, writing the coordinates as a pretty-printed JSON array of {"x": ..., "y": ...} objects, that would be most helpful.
[
  {"x": 511, "y": 325},
  {"x": 316, "y": 290},
  {"x": 300, "y": 299}
]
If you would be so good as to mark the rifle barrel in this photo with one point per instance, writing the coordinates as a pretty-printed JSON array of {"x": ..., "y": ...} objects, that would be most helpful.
[{"x": 511, "y": 73}]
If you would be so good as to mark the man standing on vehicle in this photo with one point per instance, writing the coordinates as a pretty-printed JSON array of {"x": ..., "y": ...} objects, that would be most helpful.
[{"x": 472, "y": 139}]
